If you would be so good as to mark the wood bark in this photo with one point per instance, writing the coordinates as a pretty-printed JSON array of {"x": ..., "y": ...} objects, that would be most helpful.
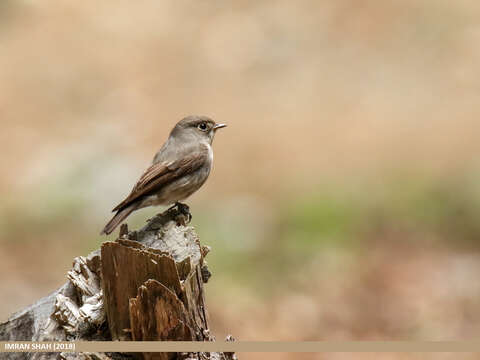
[{"x": 146, "y": 285}]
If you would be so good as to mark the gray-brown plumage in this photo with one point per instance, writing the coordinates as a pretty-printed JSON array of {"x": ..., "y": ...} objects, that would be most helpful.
[{"x": 179, "y": 169}]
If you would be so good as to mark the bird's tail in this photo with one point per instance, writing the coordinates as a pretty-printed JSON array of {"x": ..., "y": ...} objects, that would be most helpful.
[{"x": 118, "y": 218}]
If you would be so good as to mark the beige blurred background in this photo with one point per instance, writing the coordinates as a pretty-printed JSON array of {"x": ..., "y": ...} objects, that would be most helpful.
[{"x": 344, "y": 202}]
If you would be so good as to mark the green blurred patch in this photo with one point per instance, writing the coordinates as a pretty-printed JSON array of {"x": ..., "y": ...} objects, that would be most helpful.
[
  {"x": 449, "y": 209},
  {"x": 53, "y": 207},
  {"x": 403, "y": 210},
  {"x": 256, "y": 251},
  {"x": 318, "y": 220},
  {"x": 47, "y": 211},
  {"x": 255, "y": 242}
]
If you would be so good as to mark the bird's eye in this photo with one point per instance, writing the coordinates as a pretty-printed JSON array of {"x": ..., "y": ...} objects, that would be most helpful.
[{"x": 202, "y": 126}]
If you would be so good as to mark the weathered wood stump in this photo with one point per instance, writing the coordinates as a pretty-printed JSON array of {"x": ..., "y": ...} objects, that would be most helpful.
[{"x": 146, "y": 285}]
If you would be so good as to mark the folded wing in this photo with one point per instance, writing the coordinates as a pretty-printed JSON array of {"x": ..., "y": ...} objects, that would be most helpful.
[{"x": 160, "y": 174}]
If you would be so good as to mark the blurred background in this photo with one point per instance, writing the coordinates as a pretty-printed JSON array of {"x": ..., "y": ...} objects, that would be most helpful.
[{"x": 345, "y": 198}]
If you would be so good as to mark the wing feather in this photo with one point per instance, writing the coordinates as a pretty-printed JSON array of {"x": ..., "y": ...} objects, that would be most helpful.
[{"x": 160, "y": 174}]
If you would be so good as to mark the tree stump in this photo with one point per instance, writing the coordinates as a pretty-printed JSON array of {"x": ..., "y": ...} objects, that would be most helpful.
[{"x": 146, "y": 285}]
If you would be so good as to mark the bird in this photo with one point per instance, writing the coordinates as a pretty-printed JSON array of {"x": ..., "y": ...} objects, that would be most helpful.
[{"x": 179, "y": 168}]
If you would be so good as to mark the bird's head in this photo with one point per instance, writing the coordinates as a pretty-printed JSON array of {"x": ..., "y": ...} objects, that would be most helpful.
[{"x": 201, "y": 128}]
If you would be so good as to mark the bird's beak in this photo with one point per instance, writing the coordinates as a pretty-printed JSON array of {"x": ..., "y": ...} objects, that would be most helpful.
[{"x": 219, "y": 126}]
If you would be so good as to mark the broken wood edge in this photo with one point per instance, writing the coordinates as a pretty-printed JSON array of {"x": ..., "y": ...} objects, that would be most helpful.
[{"x": 157, "y": 314}]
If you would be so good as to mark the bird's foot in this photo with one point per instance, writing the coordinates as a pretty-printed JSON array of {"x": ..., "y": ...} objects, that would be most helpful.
[{"x": 184, "y": 210}]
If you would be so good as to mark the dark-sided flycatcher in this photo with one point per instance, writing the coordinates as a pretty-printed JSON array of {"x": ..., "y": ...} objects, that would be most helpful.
[{"x": 179, "y": 169}]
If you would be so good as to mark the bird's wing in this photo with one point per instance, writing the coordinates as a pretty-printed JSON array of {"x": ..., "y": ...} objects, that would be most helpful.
[{"x": 159, "y": 174}]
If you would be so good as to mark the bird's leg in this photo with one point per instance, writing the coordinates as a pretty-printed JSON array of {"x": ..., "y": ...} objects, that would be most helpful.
[
  {"x": 185, "y": 210},
  {"x": 172, "y": 207}
]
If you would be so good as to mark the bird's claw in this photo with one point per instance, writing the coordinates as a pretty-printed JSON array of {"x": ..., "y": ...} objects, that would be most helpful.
[{"x": 183, "y": 209}]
